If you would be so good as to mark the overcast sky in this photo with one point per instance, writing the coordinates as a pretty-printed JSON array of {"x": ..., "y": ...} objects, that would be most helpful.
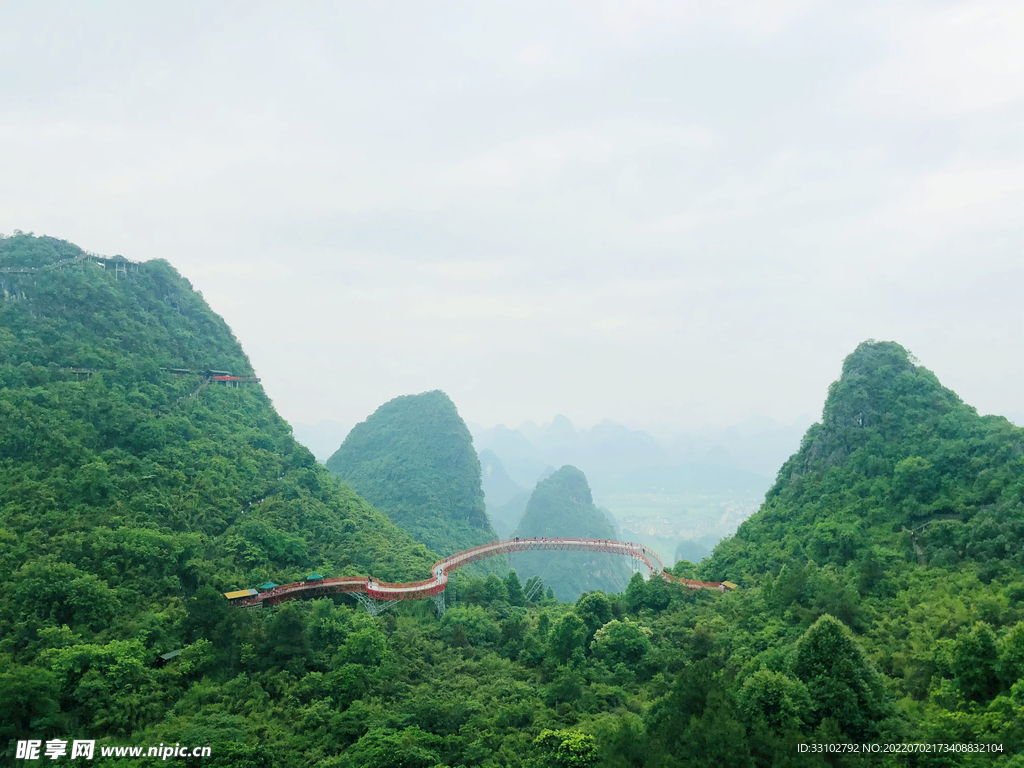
[{"x": 666, "y": 213}]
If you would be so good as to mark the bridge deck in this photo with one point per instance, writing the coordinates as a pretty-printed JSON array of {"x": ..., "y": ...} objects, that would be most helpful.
[{"x": 438, "y": 581}]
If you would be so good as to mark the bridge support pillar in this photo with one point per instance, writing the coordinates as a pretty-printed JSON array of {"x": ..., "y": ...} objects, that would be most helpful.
[
  {"x": 373, "y": 607},
  {"x": 439, "y": 602}
]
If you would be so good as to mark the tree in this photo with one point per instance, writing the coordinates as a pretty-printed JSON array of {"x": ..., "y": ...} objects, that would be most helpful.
[
  {"x": 1011, "y": 655},
  {"x": 566, "y": 749},
  {"x": 479, "y": 629},
  {"x": 30, "y": 701},
  {"x": 366, "y": 646},
  {"x": 206, "y": 610},
  {"x": 595, "y": 611},
  {"x": 624, "y": 642},
  {"x": 778, "y": 701},
  {"x": 974, "y": 662},
  {"x": 635, "y": 595},
  {"x": 567, "y": 634},
  {"x": 841, "y": 682},
  {"x": 288, "y": 642},
  {"x": 514, "y": 589}
]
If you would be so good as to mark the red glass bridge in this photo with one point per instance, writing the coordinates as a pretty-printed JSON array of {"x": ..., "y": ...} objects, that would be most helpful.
[{"x": 377, "y": 596}]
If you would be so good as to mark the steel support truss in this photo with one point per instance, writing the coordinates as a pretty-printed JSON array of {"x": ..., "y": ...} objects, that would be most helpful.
[
  {"x": 439, "y": 602},
  {"x": 373, "y": 607}
]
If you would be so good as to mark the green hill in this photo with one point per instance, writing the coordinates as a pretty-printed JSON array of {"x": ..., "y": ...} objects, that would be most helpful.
[
  {"x": 130, "y": 495},
  {"x": 413, "y": 458},
  {"x": 898, "y": 470},
  {"x": 128, "y": 489},
  {"x": 561, "y": 505},
  {"x": 902, "y": 514}
]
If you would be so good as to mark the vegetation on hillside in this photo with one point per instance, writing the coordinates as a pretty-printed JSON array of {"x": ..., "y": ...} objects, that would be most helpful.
[
  {"x": 880, "y": 601},
  {"x": 413, "y": 458},
  {"x": 123, "y": 497},
  {"x": 899, "y": 469}
]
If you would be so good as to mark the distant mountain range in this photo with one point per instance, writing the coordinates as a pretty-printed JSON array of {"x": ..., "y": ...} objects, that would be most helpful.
[
  {"x": 696, "y": 488},
  {"x": 759, "y": 445}
]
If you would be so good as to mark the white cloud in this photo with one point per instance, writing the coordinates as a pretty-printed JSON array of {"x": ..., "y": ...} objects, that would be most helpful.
[
  {"x": 946, "y": 60},
  {"x": 963, "y": 197},
  {"x": 469, "y": 307},
  {"x": 650, "y": 211},
  {"x": 626, "y": 18}
]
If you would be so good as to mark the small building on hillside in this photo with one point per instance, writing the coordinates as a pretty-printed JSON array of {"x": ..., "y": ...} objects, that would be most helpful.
[{"x": 240, "y": 594}]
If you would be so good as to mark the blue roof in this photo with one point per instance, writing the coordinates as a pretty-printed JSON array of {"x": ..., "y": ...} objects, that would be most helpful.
[
  {"x": 268, "y": 585},
  {"x": 313, "y": 577}
]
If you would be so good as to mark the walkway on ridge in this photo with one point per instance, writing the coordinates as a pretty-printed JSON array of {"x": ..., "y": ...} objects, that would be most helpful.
[{"x": 369, "y": 591}]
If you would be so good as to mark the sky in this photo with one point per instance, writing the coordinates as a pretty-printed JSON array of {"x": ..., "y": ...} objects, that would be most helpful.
[{"x": 669, "y": 214}]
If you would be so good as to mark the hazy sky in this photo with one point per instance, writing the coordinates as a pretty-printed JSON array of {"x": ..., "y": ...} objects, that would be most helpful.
[{"x": 668, "y": 213}]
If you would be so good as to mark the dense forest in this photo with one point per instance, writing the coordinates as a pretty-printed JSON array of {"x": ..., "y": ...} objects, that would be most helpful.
[
  {"x": 879, "y": 601},
  {"x": 413, "y": 459},
  {"x": 561, "y": 505}
]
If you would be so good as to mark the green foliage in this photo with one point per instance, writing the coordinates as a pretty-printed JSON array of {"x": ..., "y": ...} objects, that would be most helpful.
[
  {"x": 1011, "y": 656},
  {"x": 414, "y": 459},
  {"x": 129, "y": 506},
  {"x": 29, "y": 699},
  {"x": 974, "y": 661},
  {"x": 881, "y": 581},
  {"x": 842, "y": 684},
  {"x": 566, "y": 749},
  {"x": 567, "y": 637},
  {"x": 775, "y": 701},
  {"x": 478, "y": 628},
  {"x": 514, "y": 589},
  {"x": 899, "y": 465},
  {"x": 621, "y": 642}
]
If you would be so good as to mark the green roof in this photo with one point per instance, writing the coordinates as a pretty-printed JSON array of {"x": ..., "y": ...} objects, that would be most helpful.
[
  {"x": 313, "y": 577},
  {"x": 268, "y": 585}
]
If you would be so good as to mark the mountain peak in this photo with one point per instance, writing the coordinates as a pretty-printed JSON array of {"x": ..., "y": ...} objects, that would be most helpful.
[
  {"x": 882, "y": 393},
  {"x": 561, "y": 505},
  {"x": 414, "y": 459}
]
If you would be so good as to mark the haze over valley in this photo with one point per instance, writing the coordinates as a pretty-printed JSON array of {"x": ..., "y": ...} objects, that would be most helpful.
[{"x": 688, "y": 491}]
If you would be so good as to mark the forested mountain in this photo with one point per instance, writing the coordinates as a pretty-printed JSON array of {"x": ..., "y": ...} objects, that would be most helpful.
[
  {"x": 880, "y": 597},
  {"x": 902, "y": 514},
  {"x": 899, "y": 469},
  {"x": 561, "y": 505},
  {"x": 413, "y": 458},
  {"x": 128, "y": 489}
]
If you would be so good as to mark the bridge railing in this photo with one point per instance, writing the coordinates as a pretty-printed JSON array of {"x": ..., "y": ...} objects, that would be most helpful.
[{"x": 435, "y": 585}]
